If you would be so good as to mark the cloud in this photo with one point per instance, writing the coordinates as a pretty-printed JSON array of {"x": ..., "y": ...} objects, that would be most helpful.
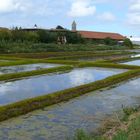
[
  {"x": 12, "y": 5},
  {"x": 133, "y": 19},
  {"x": 133, "y": 16},
  {"x": 107, "y": 16},
  {"x": 81, "y": 8},
  {"x": 135, "y": 6}
]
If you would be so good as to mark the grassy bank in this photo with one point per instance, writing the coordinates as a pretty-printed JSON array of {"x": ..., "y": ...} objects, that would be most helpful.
[
  {"x": 66, "y": 54},
  {"x": 130, "y": 129},
  {"x": 19, "y": 62},
  {"x": 98, "y": 55},
  {"x": 30, "y": 47},
  {"x": 125, "y": 128},
  {"x": 25, "y": 106},
  {"x": 104, "y": 64},
  {"x": 12, "y": 76},
  {"x": 119, "y": 60},
  {"x": 69, "y": 66},
  {"x": 35, "y": 61}
]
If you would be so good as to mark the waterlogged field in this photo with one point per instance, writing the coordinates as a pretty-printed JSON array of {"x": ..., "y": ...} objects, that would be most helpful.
[
  {"x": 60, "y": 121},
  {"x": 39, "y": 85},
  {"x": 103, "y": 58},
  {"x": 24, "y": 68},
  {"x": 134, "y": 62}
]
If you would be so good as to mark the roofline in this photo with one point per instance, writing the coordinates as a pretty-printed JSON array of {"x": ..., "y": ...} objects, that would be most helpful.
[{"x": 98, "y": 32}]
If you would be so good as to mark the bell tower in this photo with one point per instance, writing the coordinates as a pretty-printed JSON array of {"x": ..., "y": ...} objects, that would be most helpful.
[{"x": 74, "y": 26}]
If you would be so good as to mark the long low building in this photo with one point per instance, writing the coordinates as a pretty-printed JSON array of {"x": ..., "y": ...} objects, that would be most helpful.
[{"x": 101, "y": 35}]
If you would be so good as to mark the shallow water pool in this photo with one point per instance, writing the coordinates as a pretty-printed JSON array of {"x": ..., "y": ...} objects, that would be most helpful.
[
  {"x": 24, "y": 68},
  {"x": 59, "y": 121},
  {"x": 134, "y": 62},
  {"x": 45, "y": 84}
]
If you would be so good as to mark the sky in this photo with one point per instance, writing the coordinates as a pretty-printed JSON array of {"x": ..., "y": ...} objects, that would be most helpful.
[{"x": 121, "y": 16}]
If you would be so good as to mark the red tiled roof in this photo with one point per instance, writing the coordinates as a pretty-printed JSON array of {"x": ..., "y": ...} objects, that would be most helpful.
[{"x": 100, "y": 35}]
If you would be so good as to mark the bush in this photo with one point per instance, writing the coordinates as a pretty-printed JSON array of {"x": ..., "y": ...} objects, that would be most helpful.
[
  {"x": 109, "y": 41},
  {"x": 128, "y": 43}
]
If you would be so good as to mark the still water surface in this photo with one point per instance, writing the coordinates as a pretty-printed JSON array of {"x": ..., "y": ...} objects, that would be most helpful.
[
  {"x": 23, "y": 68},
  {"x": 134, "y": 62},
  {"x": 45, "y": 84},
  {"x": 59, "y": 121}
]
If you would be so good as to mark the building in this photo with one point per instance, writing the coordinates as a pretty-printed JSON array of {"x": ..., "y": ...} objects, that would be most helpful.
[
  {"x": 74, "y": 26},
  {"x": 101, "y": 35},
  {"x": 92, "y": 35}
]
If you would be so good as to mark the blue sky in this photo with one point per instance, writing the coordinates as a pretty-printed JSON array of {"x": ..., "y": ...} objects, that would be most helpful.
[{"x": 97, "y": 15}]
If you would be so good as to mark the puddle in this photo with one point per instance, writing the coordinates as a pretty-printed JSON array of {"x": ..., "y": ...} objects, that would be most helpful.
[
  {"x": 86, "y": 112},
  {"x": 45, "y": 84},
  {"x": 24, "y": 68}
]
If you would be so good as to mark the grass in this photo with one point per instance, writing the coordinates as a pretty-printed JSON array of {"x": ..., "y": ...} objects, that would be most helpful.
[
  {"x": 20, "y": 62},
  {"x": 128, "y": 130},
  {"x": 119, "y": 60},
  {"x": 105, "y": 64},
  {"x": 92, "y": 55},
  {"x": 28, "y": 105},
  {"x": 29, "y": 47},
  {"x": 63, "y": 55},
  {"x": 11, "y": 76},
  {"x": 132, "y": 130},
  {"x": 34, "y": 61}
]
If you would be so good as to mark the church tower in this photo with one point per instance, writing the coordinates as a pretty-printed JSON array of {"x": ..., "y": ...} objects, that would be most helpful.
[{"x": 74, "y": 28}]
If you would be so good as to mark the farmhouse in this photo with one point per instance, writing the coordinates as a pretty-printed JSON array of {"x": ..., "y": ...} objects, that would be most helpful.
[
  {"x": 90, "y": 35},
  {"x": 97, "y": 35},
  {"x": 101, "y": 35}
]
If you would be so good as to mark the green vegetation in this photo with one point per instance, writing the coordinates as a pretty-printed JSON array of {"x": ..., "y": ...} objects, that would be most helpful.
[
  {"x": 29, "y": 105},
  {"x": 38, "y": 36},
  {"x": 67, "y": 55},
  {"x": 81, "y": 135},
  {"x": 28, "y": 47},
  {"x": 127, "y": 129},
  {"x": 69, "y": 66},
  {"x": 25, "y": 41},
  {"x": 109, "y": 41},
  {"x": 12, "y": 76},
  {"x": 107, "y": 65},
  {"x": 128, "y": 43},
  {"x": 20, "y": 62},
  {"x": 132, "y": 131}
]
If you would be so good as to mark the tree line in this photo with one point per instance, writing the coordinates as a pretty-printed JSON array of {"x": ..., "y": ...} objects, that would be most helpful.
[{"x": 38, "y": 36}]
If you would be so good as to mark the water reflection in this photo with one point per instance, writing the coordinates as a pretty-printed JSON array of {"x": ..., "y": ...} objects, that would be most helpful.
[
  {"x": 23, "y": 68},
  {"x": 46, "y": 84},
  {"x": 135, "y": 62},
  {"x": 135, "y": 56},
  {"x": 86, "y": 112}
]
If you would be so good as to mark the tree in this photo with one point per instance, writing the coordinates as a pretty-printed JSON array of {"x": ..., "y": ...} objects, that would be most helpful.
[
  {"x": 128, "y": 43},
  {"x": 59, "y": 27},
  {"x": 110, "y": 41}
]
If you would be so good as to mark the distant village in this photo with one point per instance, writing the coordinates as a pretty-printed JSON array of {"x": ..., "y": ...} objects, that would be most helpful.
[{"x": 90, "y": 35}]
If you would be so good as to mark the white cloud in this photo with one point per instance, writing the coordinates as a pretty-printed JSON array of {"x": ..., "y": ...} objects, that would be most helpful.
[
  {"x": 82, "y": 8},
  {"x": 133, "y": 19},
  {"x": 133, "y": 16},
  {"x": 12, "y": 5},
  {"x": 107, "y": 16},
  {"x": 135, "y": 6}
]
